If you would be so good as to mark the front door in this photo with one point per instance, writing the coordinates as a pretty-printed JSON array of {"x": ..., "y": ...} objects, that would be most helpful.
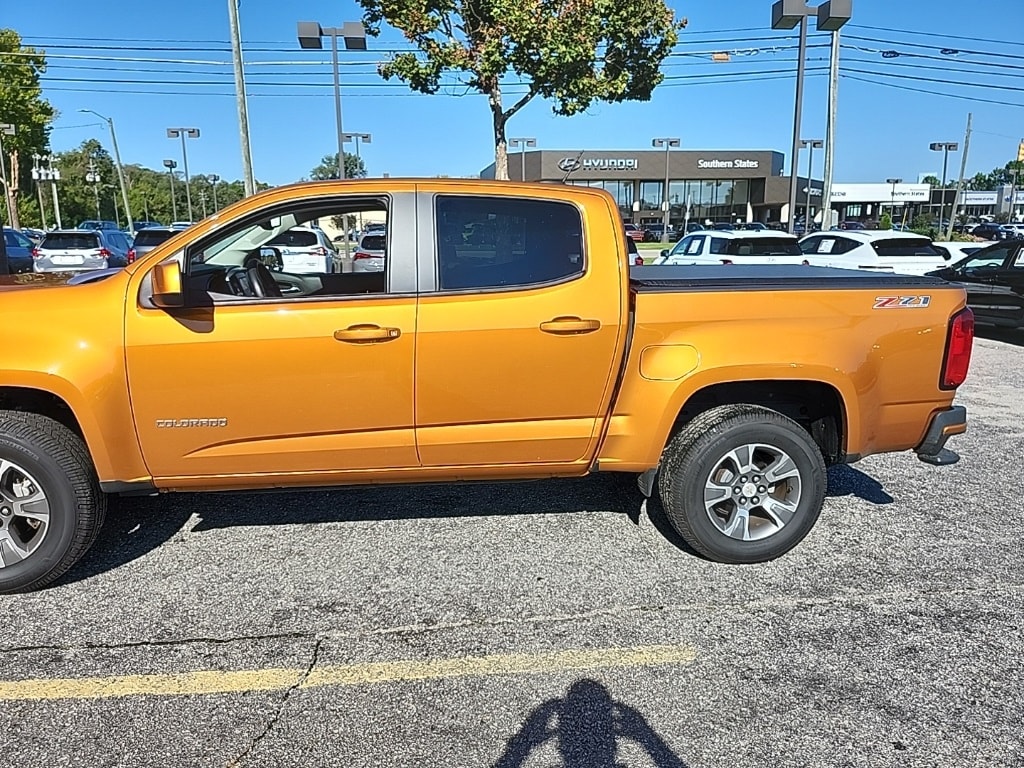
[
  {"x": 978, "y": 272},
  {"x": 308, "y": 374},
  {"x": 519, "y": 347}
]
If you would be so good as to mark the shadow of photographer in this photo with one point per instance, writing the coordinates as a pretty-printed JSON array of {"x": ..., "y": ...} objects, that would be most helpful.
[{"x": 586, "y": 728}]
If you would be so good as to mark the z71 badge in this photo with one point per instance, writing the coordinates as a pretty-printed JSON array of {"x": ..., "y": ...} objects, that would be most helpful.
[{"x": 902, "y": 302}]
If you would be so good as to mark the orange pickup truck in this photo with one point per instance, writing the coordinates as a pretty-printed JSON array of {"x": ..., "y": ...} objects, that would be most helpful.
[{"x": 500, "y": 335}]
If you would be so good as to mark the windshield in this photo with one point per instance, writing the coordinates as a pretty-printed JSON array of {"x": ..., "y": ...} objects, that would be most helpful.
[
  {"x": 763, "y": 246},
  {"x": 296, "y": 238},
  {"x": 373, "y": 243}
]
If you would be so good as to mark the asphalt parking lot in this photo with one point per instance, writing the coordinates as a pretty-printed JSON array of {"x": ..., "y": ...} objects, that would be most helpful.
[{"x": 540, "y": 624}]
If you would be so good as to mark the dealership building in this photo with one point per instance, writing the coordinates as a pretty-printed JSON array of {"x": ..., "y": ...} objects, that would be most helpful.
[
  {"x": 730, "y": 186},
  {"x": 712, "y": 186}
]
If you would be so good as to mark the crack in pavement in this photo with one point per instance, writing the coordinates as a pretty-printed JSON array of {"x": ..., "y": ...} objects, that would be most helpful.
[
  {"x": 894, "y": 596},
  {"x": 280, "y": 707}
]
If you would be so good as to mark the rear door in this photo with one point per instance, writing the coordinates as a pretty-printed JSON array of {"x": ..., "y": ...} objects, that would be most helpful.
[{"x": 519, "y": 331}]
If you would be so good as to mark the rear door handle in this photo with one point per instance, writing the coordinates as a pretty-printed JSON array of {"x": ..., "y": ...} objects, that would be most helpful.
[
  {"x": 570, "y": 325},
  {"x": 366, "y": 334}
]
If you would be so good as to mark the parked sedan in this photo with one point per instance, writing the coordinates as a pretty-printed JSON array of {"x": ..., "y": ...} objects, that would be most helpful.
[
  {"x": 77, "y": 250},
  {"x": 883, "y": 250},
  {"x": 19, "y": 251},
  {"x": 634, "y": 233},
  {"x": 994, "y": 278},
  {"x": 735, "y": 247}
]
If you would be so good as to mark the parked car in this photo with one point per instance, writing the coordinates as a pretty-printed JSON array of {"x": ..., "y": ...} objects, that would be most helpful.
[
  {"x": 305, "y": 250},
  {"x": 149, "y": 238},
  {"x": 991, "y": 231},
  {"x": 635, "y": 259},
  {"x": 736, "y": 247},
  {"x": 655, "y": 232},
  {"x": 994, "y": 278},
  {"x": 140, "y": 225},
  {"x": 33, "y": 234},
  {"x": 850, "y": 225},
  {"x": 95, "y": 224},
  {"x": 19, "y": 251},
  {"x": 370, "y": 254},
  {"x": 731, "y": 389},
  {"x": 634, "y": 233},
  {"x": 959, "y": 250},
  {"x": 80, "y": 250},
  {"x": 753, "y": 226},
  {"x": 181, "y": 224},
  {"x": 882, "y": 250}
]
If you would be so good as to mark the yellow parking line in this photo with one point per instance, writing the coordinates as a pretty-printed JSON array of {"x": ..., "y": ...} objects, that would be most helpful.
[{"x": 210, "y": 681}]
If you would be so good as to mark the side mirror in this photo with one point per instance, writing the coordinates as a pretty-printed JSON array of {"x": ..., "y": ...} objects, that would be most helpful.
[
  {"x": 664, "y": 253},
  {"x": 167, "y": 288},
  {"x": 271, "y": 258}
]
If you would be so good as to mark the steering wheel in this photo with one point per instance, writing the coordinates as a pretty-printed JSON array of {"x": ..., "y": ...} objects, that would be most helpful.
[
  {"x": 262, "y": 282},
  {"x": 238, "y": 281}
]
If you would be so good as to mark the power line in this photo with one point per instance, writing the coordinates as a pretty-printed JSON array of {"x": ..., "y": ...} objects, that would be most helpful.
[
  {"x": 930, "y": 92},
  {"x": 937, "y": 80},
  {"x": 957, "y": 51},
  {"x": 937, "y": 34}
]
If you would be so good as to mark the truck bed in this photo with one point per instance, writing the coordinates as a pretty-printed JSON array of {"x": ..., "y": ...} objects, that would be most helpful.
[{"x": 770, "y": 278}]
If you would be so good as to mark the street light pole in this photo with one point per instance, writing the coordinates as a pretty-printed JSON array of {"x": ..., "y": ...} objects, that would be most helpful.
[
  {"x": 214, "y": 178},
  {"x": 811, "y": 145},
  {"x": 51, "y": 174},
  {"x": 241, "y": 99},
  {"x": 310, "y": 35},
  {"x": 667, "y": 143},
  {"x": 192, "y": 133},
  {"x": 789, "y": 14},
  {"x": 892, "y": 199},
  {"x": 170, "y": 165},
  {"x": 945, "y": 147},
  {"x": 37, "y": 178},
  {"x": 93, "y": 177},
  {"x": 6, "y": 129},
  {"x": 120, "y": 168},
  {"x": 523, "y": 142},
  {"x": 367, "y": 138}
]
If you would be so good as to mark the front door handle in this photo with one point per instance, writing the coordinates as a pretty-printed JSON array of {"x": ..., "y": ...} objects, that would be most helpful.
[
  {"x": 366, "y": 334},
  {"x": 570, "y": 325}
]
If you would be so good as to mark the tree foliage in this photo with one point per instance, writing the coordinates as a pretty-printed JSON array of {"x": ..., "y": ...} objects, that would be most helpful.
[
  {"x": 573, "y": 52},
  {"x": 22, "y": 105},
  {"x": 328, "y": 168},
  {"x": 997, "y": 178}
]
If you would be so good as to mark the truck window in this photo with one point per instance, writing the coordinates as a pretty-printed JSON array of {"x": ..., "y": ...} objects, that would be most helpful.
[{"x": 485, "y": 242}]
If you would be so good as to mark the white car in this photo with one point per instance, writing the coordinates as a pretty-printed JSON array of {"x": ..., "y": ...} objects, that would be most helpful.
[
  {"x": 370, "y": 253},
  {"x": 882, "y": 250},
  {"x": 734, "y": 247},
  {"x": 959, "y": 251},
  {"x": 305, "y": 250}
]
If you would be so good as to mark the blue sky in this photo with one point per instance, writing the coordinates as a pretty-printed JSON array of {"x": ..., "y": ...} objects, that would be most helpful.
[{"x": 884, "y": 131}]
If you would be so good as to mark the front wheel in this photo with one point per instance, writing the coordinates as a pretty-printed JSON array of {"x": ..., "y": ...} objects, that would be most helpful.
[
  {"x": 51, "y": 506},
  {"x": 742, "y": 483}
]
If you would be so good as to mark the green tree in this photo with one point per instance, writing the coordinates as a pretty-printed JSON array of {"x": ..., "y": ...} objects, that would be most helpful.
[
  {"x": 328, "y": 168},
  {"x": 933, "y": 181},
  {"x": 23, "y": 106},
  {"x": 574, "y": 52},
  {"x": 885, "y": 222}
]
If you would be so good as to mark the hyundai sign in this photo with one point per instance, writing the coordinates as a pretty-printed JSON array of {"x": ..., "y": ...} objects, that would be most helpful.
[{"x": 569, "y": 164}]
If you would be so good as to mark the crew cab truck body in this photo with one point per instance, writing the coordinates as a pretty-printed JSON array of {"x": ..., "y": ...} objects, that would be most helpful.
[{"x": 505, "y": 339}]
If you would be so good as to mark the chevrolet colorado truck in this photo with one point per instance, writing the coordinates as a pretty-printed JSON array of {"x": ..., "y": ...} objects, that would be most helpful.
[{"x": 505, "y": 338}]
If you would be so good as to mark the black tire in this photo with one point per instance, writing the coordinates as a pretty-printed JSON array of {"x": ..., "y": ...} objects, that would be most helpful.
[
  {"x": 698, "y": 450},
  {"x": 57, "y": 459}
]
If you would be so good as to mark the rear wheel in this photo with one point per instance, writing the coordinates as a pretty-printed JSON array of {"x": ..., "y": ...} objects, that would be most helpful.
[
  {"x": 742, "y": 484},
  {"x": 51, "y": 507}
]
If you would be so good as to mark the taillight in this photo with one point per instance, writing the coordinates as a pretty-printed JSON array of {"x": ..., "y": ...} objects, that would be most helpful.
[
  {"x": 362, "y": 255},
  {"x": 805, "y": 263},
  {"x": 105, "y": 253},
  {"x": 131, "y": 255},
  {"x": 36, "y": 254},
  {"x": 638, "y": 261},
  {"x": 959, "y": 343},
  {"x": 321, "y": 251},
  {"x": 727, "y": 261}
]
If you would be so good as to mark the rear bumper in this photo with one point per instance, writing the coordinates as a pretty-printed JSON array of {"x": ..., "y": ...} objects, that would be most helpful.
[{"x": 944, "y": 425}]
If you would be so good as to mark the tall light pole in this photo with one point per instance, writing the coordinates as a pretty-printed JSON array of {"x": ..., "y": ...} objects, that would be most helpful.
[
  {"x": 6, "y": 129},
  {"x": 37, "y": 178},
  {"x": 667, "y": 143},
  {"x": 892, "y": 199},
  {"x": 93, "y": 177},
  {"x": 830, "y": 128},
  {"x": 366, "y": 138},
  {"x": 213, "y": 179},
  {"x": 241, "y": 99},
  {"x": 945, "y": 147},
  {"x": 523, "y": 143},
  {"x": 810, "y": 145},
  {"x": 170, "y": 165},
  {"x": 191, "y": 133},
  {"x": 120, "y": 168},
  {"x": 311, "y": 36},
  {"x": 48, "y": 173},
  {"x": 789, "y": 14}
]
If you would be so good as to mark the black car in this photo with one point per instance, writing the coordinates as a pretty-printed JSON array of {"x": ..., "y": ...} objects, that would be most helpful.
[
  {"x": 989, "y": 232},
  {"x": 994, "y": 278},
  {"x": 19, "y": 251}
]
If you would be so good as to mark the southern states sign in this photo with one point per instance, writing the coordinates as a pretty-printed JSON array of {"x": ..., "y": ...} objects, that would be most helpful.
[
  {"x": 881, "y": 193},
  {"x": 726, "y": 164}
]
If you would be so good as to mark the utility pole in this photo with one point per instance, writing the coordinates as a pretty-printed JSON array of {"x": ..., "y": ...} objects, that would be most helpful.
[
  {"x": 830, "y": 132},
  {"x": 811, "y": 145},
  {"x": 1013, "y": 186},
  {"x": 960, "y": 183},
  {"x": 202, "y": 199},
  {"x": 6, "y": 129},
  {"x": 170, "y": 165},
  {"x": 39, "y": 188},
  {"x": 213, "y": 179},
  {"x": 241, "y": 99},
  {"x": 666, "y": 207},
  {"x": 93, "y": 177}
]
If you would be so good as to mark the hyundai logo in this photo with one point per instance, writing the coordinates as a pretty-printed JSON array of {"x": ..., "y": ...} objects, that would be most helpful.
[{"x": 568, "y": 164}]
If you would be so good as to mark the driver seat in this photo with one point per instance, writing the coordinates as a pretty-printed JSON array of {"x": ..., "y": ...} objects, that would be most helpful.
[{"x": 262, "y": 282}]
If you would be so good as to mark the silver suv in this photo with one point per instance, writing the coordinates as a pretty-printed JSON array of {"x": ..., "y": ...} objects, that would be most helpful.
[
  {"x": 149, "y": 238},
  {"x": 80, "y": 250}
]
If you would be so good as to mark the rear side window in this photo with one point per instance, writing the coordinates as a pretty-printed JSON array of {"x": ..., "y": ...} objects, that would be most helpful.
[
  {"x": 70, "y": 240},
  {"x": 296, "y": 238},
  {"x": 762, "y": 246},
  {"x": 498, "y": 242},
  {"x": 152, "y": 237},
  {"x": 905, "y": 246},
  {"x": 16, "y": 240}
]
